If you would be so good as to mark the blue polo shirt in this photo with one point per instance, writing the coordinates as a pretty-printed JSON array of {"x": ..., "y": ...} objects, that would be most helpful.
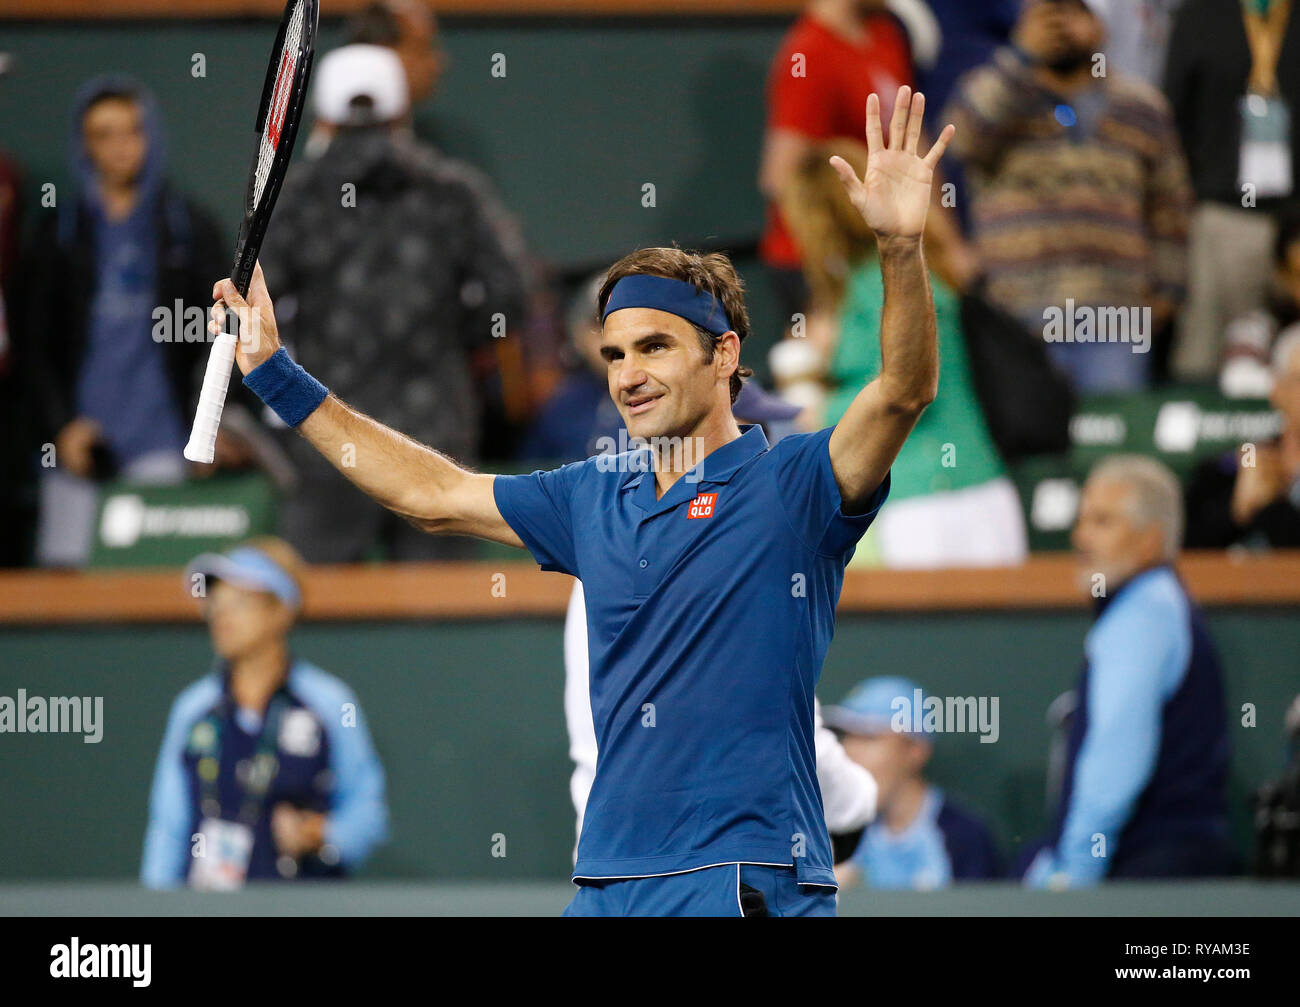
[{"x": 709, "y": 613}]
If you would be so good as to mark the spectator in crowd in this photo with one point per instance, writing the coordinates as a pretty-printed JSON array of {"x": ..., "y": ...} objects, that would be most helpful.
[
  {"x": 1144, "y": 791},
  {"x": 921, "y": 838},
  {"x": 1233, "y": 73},
  {"x": 1137, "y": 33},
  {"x": 513, "y": 374},
  {"x": 11, "y": 182},
  {"x": 970, "y": 30},
  {"x": 16, "y": 471},
  {"x": 579, "y": 412},
  {"x": 1079, "y": 195},
  {"x": 835, "y": 55},
  {"x": 409, "y": 28},
  {"x": 112, "y": 391},
  {"x": 1247, "y": 358},
  {"x": 390, "y": 272},
  {"x": 267, "y": 758},
  {"x": 951, "y": 501},
  {"x": 1251, "y": 497}
]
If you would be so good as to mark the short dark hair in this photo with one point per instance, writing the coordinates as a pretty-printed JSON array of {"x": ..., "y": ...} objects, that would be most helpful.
[
  {"x": 710, "y": 273},
  {"x": 374, "y": 24},
  {"x": 112, "y": 93}
]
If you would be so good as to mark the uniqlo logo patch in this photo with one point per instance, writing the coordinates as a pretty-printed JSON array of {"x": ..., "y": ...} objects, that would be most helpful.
[{"x": 702, "y": 506}]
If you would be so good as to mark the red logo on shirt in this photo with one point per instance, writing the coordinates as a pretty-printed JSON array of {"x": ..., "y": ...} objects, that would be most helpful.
[{"x": 702, "y": 506}]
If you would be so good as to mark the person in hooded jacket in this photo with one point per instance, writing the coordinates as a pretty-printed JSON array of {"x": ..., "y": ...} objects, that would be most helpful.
[{"x": 112, "y": 380}]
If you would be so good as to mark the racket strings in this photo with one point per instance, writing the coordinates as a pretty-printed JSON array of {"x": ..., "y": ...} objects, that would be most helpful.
[{"x": 281, "y": 95}]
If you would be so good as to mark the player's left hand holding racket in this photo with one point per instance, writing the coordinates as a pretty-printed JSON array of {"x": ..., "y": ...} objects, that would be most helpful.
[{"x": 279, "y": 113}]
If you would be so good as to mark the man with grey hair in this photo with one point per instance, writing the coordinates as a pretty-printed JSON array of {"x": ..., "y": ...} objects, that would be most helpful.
[
  {"x": 1251, "y": 497},
  {"x": 1146, "y": 766}
]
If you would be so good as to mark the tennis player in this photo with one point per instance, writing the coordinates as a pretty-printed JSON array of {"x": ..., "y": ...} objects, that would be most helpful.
[{"x": 712, "y": 563}]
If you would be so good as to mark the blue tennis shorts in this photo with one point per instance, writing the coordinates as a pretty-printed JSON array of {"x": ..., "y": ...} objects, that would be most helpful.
[{"x": 725, "y": 890}]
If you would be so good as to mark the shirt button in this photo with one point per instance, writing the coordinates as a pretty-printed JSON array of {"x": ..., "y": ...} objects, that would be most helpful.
[{"x": 644, "y": 563}]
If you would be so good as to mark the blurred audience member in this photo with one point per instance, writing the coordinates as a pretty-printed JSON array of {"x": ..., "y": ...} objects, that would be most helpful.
[
  {"x": 1247, "y": 358},
  {"x": 11, "y": 221},
  {"x": 1144, "y": 792},
  {"x": 920, "y": 839},
  {"x": 951, "y": 501},
  {"x": 515, "y": 374},
  {"x": 409, "y": 28},
  {"x": 1277, "y": 811},
  {"x": 1079, "y": 195},
  {"x": 267, "y": 759},
  {"x": 389, "y": 271},
  {"x": 571, "y": 423},
  {"x": 835, "y": 55},
  {"x": 1137, "y": 36},
  {"x": 970, "y": 30},
  {"x": 1233, "y": 97},
  {"x": 111, "y": 390},
  {"x": 1251, "y": 497},
  {"x": 16, "y": 469}
]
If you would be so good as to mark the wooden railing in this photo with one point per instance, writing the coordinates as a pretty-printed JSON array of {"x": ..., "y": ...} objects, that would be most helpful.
[
  {"x": 50, "y": 9},
  {"x": 510, "y": 590}
]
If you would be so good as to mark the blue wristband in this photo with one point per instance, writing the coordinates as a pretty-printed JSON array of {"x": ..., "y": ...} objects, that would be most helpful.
[{"x": 290, "y": 391}]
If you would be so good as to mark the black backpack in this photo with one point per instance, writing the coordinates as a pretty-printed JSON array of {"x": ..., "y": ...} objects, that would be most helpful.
[{"x": 1027, "y": 402}]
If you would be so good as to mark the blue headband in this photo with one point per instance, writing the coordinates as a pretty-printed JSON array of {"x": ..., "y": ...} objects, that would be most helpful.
[{"x": 674, "y": 296}]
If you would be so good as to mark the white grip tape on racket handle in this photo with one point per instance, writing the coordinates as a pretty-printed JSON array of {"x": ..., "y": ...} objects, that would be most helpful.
[{"x": 212, "y": 400}]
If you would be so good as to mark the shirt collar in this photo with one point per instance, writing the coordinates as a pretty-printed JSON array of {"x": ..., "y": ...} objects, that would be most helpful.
[
  {"x": 717, "y": 467},
  {"x": 1099, "y": 605},
  {"x": 720, "y": 465}
]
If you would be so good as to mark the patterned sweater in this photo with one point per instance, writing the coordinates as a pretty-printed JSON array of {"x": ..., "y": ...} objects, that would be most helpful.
[{"x": 1085, "y": 199}]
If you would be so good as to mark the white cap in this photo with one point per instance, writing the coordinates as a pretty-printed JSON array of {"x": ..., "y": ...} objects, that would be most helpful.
[{"x": 356, "y": 70}]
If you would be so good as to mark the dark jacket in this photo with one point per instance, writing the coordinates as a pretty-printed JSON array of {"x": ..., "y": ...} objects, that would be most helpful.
[
  {"x": 63, "y": 287},
  {"x": 1210, "y": 524},
  {"x": 1207, "y": 66},
  {"x": 390, "y": 263}
]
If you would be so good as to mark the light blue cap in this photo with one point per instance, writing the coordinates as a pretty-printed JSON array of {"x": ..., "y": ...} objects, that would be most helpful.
[
  {"x": 247, "y": 567},
  {"x": 876, "y": 704}
]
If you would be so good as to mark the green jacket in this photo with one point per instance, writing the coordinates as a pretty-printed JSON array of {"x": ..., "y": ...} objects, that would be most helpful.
[{"x": 951, "y": 447}]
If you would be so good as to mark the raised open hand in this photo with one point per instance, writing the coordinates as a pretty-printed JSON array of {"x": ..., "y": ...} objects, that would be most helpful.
[{"x": 894, "y": 194}]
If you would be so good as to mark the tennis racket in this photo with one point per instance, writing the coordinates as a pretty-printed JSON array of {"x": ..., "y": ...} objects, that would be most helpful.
[{"x": 278, "y": 115}]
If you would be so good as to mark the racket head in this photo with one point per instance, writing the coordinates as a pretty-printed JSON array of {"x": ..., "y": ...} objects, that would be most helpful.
[{"x": 279, "y": 114}]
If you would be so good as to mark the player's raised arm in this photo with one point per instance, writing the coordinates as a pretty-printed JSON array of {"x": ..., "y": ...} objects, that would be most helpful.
[
  {"x": 408, "y": 478},
  {"x": 893, "y": 198}
]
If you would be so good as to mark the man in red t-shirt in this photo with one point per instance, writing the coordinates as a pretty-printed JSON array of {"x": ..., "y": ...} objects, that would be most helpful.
[{"x": 835, "y": 55}]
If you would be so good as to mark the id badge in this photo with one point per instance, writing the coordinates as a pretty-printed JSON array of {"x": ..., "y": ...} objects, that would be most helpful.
[
  {"x": 1265, "y": 160},
  {"x": 220, "y": 863}
]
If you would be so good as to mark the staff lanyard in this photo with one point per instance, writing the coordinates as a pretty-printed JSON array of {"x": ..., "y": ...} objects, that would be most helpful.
[
  {"x": 1265, "y": 24},
  {"x": 261, "y": 770}
]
